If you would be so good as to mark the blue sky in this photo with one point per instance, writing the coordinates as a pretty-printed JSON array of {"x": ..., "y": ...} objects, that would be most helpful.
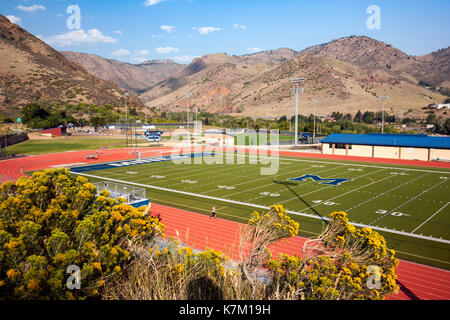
[{"x": 138, "y": 30}]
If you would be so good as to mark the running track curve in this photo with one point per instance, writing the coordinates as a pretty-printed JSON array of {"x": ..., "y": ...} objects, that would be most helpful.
[{"x": 416, "y": 281}]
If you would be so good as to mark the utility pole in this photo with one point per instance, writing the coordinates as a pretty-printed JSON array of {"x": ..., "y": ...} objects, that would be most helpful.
[
  {"x": 290, "y": 117},
  {"x": 145, "y": 114},
  {"x": 126, "y": 115},
  {"x": 314, "y": 132},
  {"x": 188, "y": 96},
  {"x": 383, "y": 99},
  {"x": 196, "y": 109},
  {"x": 297, "y": 90}
]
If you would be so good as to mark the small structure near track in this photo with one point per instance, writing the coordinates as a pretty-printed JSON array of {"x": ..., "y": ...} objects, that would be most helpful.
[
  {"x": 134, "y": 196},
  {"x": 55, "y": 132}
]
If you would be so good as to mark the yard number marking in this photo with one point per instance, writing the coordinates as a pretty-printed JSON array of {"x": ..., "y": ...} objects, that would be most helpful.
[
  {"x": 394, "y": 214},
  {"x": 188, "y": 181},
  {"x": 268, "y": 194},
  {"x": 226, "y": 187},
  {"x": 326, "y": 203}
]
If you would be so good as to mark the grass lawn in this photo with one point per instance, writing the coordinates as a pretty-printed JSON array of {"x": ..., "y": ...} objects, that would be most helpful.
[
  {"x": 408, "y": 205},
  {"x": 34, "y": 147}
]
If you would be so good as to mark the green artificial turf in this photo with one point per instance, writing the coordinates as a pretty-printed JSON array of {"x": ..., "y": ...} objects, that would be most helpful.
[
  {"x": 411, "y": 200},
  {"x": 45, "y": 146}
]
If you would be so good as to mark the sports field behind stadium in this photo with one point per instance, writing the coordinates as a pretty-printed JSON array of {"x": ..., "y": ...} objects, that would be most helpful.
[{"x": 410, "y": 206}]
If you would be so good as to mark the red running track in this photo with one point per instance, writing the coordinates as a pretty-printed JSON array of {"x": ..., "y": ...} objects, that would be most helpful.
[{"x": 416, "y": 281}]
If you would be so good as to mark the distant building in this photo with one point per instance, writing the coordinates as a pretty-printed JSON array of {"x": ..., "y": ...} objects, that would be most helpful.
[
  {"x": 438, "y": 106},
  {"x": 443, "y": 106},
  {"x": 389, "y": 146},
  {"x": 55, "y": 132},
  {"x": 219, "y": 138}
]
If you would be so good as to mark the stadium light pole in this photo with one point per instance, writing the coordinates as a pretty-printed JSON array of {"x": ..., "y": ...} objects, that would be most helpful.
[
  {"x": 314, "y": 132},
  {"x": 383, "y": 99},
  {"x": 290, "y": 117},
  {"x": 126, "y": 106},
  {"x": 188, "y": 96},
  {"x": 297, "y": 90},
  {"x": 196, "y": 109},
  {"x": 126, "y": 115}
]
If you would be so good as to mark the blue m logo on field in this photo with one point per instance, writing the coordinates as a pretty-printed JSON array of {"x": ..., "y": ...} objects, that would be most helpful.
[{"x": 331, "y": 182}]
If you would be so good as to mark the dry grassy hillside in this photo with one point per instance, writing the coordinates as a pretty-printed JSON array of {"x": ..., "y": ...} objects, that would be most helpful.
[
  {"x": 31, "y": 71},
  {"x": 262, "y": 88},
  {"x": 132, "y": 77}
]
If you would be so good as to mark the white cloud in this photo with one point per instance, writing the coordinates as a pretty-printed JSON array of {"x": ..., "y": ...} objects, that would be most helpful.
[
  {"x": 168, "y": 29},
  {"x": 185, "y": 58},
  {"x": 166, "y": 50},
  {"x": 117, "y": 31},
  {"x": 254, "y": 50},
  {"x": 143, "y": 53},
  {"x": 120, "y": 53},
  {"x": 206, "y": 30},
  {"x": 78, "y": 37},
  {"x": 32, "y": 8},
  {"x": 139, "y": 59},
  {"x": 150, "y": 3},
  {"x": 15, "y": 20},
  {"x": 154, "y": 36},
  {"x": 239, "y": 26}
]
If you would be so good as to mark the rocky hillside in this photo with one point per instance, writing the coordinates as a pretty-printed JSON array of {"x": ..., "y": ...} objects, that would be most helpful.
[
  {"x": 345, "y": 75},
  {"x": 132, "y": 77},
  {"x": 31, "y": 71},
  {"x": 270, "y": 57},
  {"x": 439, "y": 64},
  {"x": 377, "y": 55}
]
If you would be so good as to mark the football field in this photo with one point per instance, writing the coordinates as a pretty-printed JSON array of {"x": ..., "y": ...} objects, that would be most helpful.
[{"x": 410, "y": 206}]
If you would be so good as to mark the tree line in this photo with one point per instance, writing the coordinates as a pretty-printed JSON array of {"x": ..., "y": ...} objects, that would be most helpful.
[{"x": 36, "y": 116}]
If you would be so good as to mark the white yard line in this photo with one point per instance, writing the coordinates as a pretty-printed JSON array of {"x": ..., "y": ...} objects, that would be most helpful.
[
  {"x": 382, "y": 194},
  {"x": 357, "y": 165},
  {"x": 430, "y": 217},
  {"x": 408, "y": 201},
  {"x": 353, "y": 190},
  {"x": 264, "y": 186},
  {"x": 289, "y": 172},
  {"x": 264, "y": 207}
]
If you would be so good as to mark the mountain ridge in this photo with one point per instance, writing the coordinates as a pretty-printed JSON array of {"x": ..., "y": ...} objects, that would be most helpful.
[
  {"x": 32, "y": 71},
  {"x": 346, "y": 74},
  {"x": 355, "y": 70}
]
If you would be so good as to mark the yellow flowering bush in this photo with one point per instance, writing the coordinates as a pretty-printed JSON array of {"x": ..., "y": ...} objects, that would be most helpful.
[
  {"x": 53, "y": 220},
  {"x": 337, "y": 265},
  {"x": 261, "y": 231},
  {"x": 342, "y": 263}
]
